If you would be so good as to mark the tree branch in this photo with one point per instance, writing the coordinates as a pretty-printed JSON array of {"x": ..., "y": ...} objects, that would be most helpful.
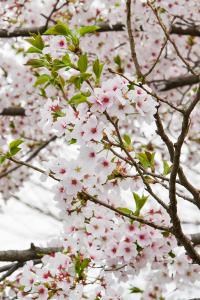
[
  {"x": 34, "y": 253},
  {"x": 167, "y": 34},
  {"x": 25, "y": 32},
  {"x": 191, "y": 30},
  {"x": 177, "y": 230},
  {"x": 195, "y": 237},
  {"x": 131, "y": 40},
  {"x": 11, "y": 270},
  {"x": 93, "y": 199},
  {"x": 166, "y": 85},
  {"x": 34, "y": 154},
  {"x": 28, "y": 254},
  {"x": 179, "y": 81},
  {"x": 13, "y": 111},
  {"x": 183, "y": 179}
]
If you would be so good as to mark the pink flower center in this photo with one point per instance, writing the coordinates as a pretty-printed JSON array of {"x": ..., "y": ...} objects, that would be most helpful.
[
  {"x": 93, "y": 130},
  {"x": 127, "y": 250},
  {"x": 131, "y": 228},
  {"x": 142, "y": 237},
  {"x": 105, "y": 163},
  {"x": 114, "y": 250},
  {"x": 106, "y": 100},
  {"x": 61, "y": 189},
  {"x": 127, "y": 240},
  {"x": 61, "y": 43},
  {"x": 55, "y": 107},
  {"x": 41, "y": 290},
  {"x": 74, "y": 182},
  {"x": 64, "y": 125},
  {"x": 92, "y": 154},
  {"x": 62, "y": 171},
  {"x": 139, "y": 92}
]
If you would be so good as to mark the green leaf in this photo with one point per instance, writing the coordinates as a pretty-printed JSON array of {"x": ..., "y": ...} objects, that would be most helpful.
[
  {"x": 72, "y": 141},
  {"x": 36, "y": 41},
  {"x": 139, "y": 202},
  {"x": 58, "y": 114},
  {"x": 43, "y": 78},
  {"x": 125, "y": 210},
  {"x": 127, "y": 139},
  {"x": 21, "y": 288},
  {"x": 147, "y": 159},
  {"x": 60, "y": 82},
  {"x": 84, "y": 264},
  {"x": 66, "y": 59},
  {"x": 59, "y": 29},
  {"x": 33, "y": 50},
  {"x": 83, "y": 63},
  {"x": 77, "y": 80},
  {"x": 171, "y": 254},
  {"x": 143, "y": 160},
  {"x": 81, "y": 265},
  {"x": 35, "y": 63},
  {"x": 97, "y": 69},
  {"x": 58, "y": 64},
  {"x": 75, "y": 40},
  {"x": 135, "y": 290},
  {"x": 77, "y": 99},
  {"x": 161, "y": 10},
  {"x": 2, "y": 158},
  {"x": 14, "y": 147},
  {"x": 150, "y": 156},
  {"x": 166, "y": 234},
  {"x": 87, "y": 29},
  {"x": 166, "y": 167},
  {"x": 15, "y": 143},
  {"x": 117, "y": 60}
]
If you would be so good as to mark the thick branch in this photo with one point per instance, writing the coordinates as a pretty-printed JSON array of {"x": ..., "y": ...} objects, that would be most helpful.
[
  {"x": 177, "y": 230},
  {"x": 195, "y": 237},
  {"x": 179, "y": 81},
  {"x": 29, "y": 254},
  {"x": 13, "y": 111},
  {"x": 183, "y": 179},
  {"x": 21, "y": 32},
  {"x": 24, "y": 32},
  {"x": 192, "y": 30}
]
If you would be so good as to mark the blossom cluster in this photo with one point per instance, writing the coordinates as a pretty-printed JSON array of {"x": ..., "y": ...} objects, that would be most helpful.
[{"x": 113, "y": 230}]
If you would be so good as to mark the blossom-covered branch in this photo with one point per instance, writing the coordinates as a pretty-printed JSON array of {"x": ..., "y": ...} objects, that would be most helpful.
[{"x": 25, "y": 32}]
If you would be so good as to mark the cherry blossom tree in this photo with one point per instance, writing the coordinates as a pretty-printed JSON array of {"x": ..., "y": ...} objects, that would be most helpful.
[{"x": 117, "y": 83}]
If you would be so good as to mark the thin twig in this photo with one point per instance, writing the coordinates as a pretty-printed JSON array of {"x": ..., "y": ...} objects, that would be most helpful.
[
  {"x": 157, "y": 59},
  {"x": 153, "y": 94},
  {"x": 34, "y": 154},
  {"x": 129, "y": 216},
  {"x": 131, "y": 40},
  {"x": 169, "y": 38}
]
